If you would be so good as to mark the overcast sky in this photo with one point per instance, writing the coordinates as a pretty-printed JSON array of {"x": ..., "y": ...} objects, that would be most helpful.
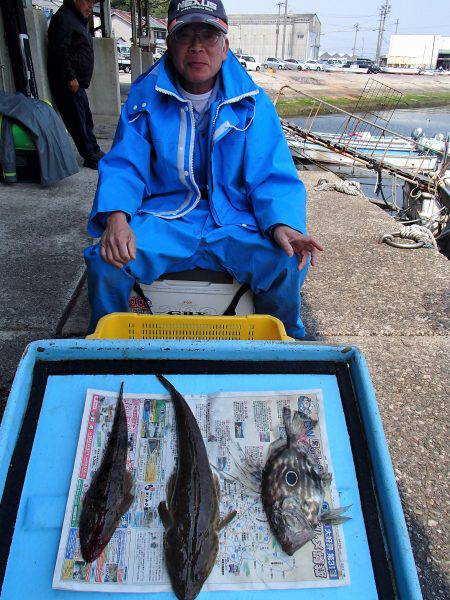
[{"x": 339, "y": 18}]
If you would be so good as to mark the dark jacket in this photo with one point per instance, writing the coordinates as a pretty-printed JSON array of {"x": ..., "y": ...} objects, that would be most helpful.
[{"x": 70, "y": 48}]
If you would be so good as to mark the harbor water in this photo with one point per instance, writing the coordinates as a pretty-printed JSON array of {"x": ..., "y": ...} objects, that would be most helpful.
[{"x": 432, "y": 120}]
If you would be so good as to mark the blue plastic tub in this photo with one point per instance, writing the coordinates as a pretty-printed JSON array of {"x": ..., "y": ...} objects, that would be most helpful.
[{"x": 39, "y": 435}]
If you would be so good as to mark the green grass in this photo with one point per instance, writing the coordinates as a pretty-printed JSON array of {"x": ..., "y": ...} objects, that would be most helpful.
[{"x": 299, "y": 106}]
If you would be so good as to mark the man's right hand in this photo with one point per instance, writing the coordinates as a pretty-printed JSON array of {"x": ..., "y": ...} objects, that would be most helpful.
[
  {"x": 74, "y": 86},
  {"x": 118, "y": 243}
]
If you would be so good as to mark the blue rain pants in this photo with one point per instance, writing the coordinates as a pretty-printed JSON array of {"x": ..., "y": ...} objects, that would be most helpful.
[{"x": 169, "y": 246}]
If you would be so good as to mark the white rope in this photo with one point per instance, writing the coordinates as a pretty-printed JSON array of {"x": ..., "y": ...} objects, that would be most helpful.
[
  {"x": 421, "y": 236},
  {"x": 418, "y": 233},
  {"x": 351, "y": 188}
]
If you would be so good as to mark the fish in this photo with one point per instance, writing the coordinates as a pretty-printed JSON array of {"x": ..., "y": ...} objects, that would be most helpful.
[
  {"x": 190, "y": 514},
  {"x": 293, "y": 487},
  {"x": 111, "y": 492}
]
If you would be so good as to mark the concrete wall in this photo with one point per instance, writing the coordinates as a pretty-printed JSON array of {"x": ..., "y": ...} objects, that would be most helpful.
[
  {"x": 104, "y": 91},
  {"x": 257, "y": 35},
  {"x": 136, "y": 62},
  {"x": 6, "y": 76},
  {"x": 37, "y": 32},
  {"x": 416, "y": 50}
]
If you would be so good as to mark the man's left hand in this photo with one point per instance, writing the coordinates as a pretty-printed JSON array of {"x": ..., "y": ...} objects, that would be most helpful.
[{"x": 294, "y": 242}]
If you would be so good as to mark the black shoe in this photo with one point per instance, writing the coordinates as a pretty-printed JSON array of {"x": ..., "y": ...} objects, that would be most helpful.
[{"x": 91, "y": 162}]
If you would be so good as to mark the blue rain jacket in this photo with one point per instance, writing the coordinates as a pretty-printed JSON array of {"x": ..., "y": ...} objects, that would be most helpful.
[{"x": 252, "y": 180}]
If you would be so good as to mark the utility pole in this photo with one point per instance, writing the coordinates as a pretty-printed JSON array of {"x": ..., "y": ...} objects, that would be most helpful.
[
  {"x": 279, "y": 4},
  {"x": 396, "y": 25},
  {"x": 284, "y": 27},
  {"x": 356, "y": 36},
  {"x": 385, "y": 9}
]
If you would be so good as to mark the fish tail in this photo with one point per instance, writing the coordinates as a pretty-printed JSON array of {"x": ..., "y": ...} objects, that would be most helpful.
[
  {"x": 335, "y": 516},
  {"x": 293, "y": 425}
]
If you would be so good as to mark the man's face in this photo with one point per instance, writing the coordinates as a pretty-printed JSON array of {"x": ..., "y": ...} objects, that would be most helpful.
[
  {"x": 85, "y": 7},
  {"x": 198, "y": 51}
]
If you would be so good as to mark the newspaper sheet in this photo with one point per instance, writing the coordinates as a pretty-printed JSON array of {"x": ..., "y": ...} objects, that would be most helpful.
[{"x": 249, "y": 556}]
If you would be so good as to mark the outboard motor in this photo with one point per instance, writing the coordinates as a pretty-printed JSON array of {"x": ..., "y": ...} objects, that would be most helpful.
[{"x": 417, "y": 134}]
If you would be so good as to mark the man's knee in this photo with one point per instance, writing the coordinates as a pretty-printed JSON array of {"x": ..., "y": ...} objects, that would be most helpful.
[{"x": 92, "y": 256}]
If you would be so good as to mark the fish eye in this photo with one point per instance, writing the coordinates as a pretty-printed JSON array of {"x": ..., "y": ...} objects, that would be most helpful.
[{"x": 291, "y": 478}]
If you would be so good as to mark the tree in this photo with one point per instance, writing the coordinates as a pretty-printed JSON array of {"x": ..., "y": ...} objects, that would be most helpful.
[{"x": 158, "y": 8}]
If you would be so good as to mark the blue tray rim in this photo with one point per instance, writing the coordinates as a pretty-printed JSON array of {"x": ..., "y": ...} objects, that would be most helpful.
[{"x": 391, "y": 508}]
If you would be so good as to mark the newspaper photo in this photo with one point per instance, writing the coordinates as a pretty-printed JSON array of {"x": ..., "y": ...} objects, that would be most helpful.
[{"x": 249, "y": 555}]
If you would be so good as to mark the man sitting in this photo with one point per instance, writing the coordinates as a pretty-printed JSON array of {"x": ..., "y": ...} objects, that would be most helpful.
[{"x": 199, "y": 175}]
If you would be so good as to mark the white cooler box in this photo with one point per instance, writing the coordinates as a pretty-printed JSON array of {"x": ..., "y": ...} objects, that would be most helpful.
[{"x": 197, "y": 292}]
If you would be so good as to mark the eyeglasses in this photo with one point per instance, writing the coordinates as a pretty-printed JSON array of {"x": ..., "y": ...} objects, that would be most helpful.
[{"x": 186, "y": 36}]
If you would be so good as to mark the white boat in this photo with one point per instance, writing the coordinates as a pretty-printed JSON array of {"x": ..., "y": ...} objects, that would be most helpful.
[{"x": 396, "y": 152}]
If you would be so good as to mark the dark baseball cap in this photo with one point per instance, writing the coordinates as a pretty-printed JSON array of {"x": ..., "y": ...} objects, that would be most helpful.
[{"x": 183, "y": 12}]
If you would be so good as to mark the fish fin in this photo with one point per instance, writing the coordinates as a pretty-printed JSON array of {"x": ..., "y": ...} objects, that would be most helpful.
[
  {"x": 334, "y": 516},
  {"x": 305, "y": 417},
  {"x": 171, "y": 487},
  {"x": 251, "y": 491},
  {"x": 275, "y": 446},
  {"x": 226, "y": 520},
  {"x": 164, "y": 515},
  {"x": 217, "y": 486},
  {"x": 250, "y": 468},
  {"x": 128, "y": 493},
  {"x": 287, "y": 421},
  {"x": 326, "y": 477}
]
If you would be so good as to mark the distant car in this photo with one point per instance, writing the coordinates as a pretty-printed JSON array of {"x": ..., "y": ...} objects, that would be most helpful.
[
  {"x": 274, "y": 63},
  {"x": 241, "y": 60},
  {"x": 363, "y": 65},
  {"x": 293, "y": 64},
  {"x": 313, "y": 65},
  {"x": 159, "y": 53},
  {"x": 251, "y": 63},
  {"x": 124, "y": 62}
]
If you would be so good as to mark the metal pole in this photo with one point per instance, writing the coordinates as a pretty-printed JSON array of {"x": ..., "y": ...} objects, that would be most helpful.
[
  {"x": 384, "y": 11},
  {"x": 139, "y": 27},
  {"x": 133, "y": 23},
  {"x": 280, "y": 4},
  {"x": 396, "y": 25},
  {"x": 284, "y": 27},
  {"x": 433, "y": 66},
  {"x": 105, "y": 6},
  {"x": 356, "y": 36}
]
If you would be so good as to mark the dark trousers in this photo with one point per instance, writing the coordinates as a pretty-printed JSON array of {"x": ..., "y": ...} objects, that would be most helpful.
[{"x": 76, "y": 114}]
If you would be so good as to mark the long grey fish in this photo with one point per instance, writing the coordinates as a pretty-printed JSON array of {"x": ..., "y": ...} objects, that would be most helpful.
[
  {"x": 293, "y": 488},
  {"x": 191, "y": 515},
  {"x": 111, "y": 492}
]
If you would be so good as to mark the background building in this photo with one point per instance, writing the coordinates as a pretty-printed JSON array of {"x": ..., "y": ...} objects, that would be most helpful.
[
  {"x": 262, "y": 35},
  {"x": 337, "y": 56},
  {"x": 120, "y": 22},
  {"x": 423, "y": 51}
]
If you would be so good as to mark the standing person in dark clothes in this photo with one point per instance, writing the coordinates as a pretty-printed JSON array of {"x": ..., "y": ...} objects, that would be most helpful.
[{"x": 70, "y": 67}]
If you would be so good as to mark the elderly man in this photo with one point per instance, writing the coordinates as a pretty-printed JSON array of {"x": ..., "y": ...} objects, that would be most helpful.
[
  {"x": 70, "y": 66},
  {"x": 200, "y": 175}
]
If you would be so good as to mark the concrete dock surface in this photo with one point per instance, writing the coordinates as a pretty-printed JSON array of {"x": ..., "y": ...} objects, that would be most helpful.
[{"x": 393, "y": 304}]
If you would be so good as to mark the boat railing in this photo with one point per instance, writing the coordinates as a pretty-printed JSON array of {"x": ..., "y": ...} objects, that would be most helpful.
[{"x": 379, "y": 142}]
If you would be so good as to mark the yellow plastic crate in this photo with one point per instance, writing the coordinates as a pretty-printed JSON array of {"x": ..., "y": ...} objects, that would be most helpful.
[{"x": 130, "y": 326}]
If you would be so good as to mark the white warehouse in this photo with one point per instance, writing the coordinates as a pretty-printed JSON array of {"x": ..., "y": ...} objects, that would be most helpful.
[
  {"x": 420, "y": 51},
  {"x": 262, "y": 35}
]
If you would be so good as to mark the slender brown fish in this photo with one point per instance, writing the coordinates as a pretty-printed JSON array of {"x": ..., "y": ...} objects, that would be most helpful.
[
  {"x": 191, "y": 515},
  {"x": 110, "y": 494}
]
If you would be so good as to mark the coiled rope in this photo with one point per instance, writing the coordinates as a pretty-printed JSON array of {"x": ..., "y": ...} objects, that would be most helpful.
[
  {"x": 421, "y": 237},
  {"x": 352, "y": 188}
]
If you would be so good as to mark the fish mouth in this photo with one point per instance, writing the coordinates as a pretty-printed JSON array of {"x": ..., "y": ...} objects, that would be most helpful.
[{"x": 292, "y": 529}]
